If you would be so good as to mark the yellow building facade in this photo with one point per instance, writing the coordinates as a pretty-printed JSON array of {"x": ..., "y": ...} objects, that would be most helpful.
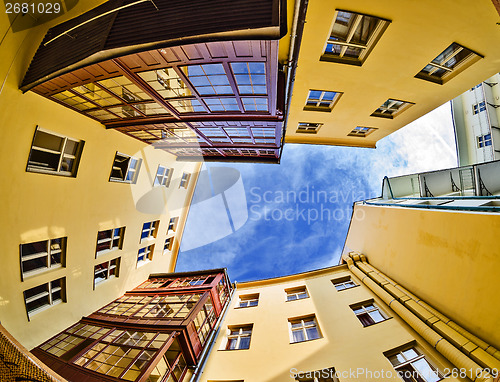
[
  {"x": 333, "y": 321},
  {"x": 77, "y": 203},
  {"x": 368, "y": 68}
]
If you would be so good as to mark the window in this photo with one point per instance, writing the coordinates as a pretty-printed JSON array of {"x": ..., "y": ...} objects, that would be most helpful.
[
  {"x": 239, "y": 337},
  {"x": 296, "y": 293},
  {"x": 391, "y": 108},
  {"x": 484, "y": 140},
  {"x": 163, "y": 176},
  {"x": 248, "y": 300},
  {"x": 54, "y": 154},
  {"x": 43, "y": 296},
  {"x": 368, "y": 313},
  {"x": 125, "y": 169},
  {"x": 320, "y": 100},
  {"x": 172, "y": 224},
  {"x": 344, "y": 283},
  {"x": 448, "y": 63},
  {"x": 250, "y": 77},
  {"x": 361, "y": 131},
  {"x": 185, "y": 180},
  {"x": 323, "y": 375},
  {"x": 149, "y": 230},
  {"x": 478, "y": 107},
  {"x": 106, "y": 270},
  {"x": 208, "y": 79},
  {"x": 169, "y": 242},
  {"x": 109, "y": 239},
  {"x": 42, "y": 255},
  {"x": 310, "y": 128},
  {"x": 476, "y": 87},
  {"x": 303, "y": 329},
  {"x": 353, "y": 36},
  {"x": 412, "y": 366},
  {"x": 145, "y": 254}
]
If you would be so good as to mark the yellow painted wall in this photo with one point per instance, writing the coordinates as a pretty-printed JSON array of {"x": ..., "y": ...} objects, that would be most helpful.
[
  {"x": 346, "y": 344},
  {"x": 448, "y": 259},
  {"x": 40, "y": 207},
  {"x": 419, "y": 31}
]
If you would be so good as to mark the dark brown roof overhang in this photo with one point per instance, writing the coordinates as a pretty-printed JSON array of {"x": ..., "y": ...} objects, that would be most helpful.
[{"x": 104, "y": 32}]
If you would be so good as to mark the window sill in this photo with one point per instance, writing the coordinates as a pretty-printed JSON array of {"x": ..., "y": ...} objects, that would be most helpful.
[
  {"x": 245, "y": 307},
  {"x": 42, "y": 308},
  {"x": 347, "y": 288},
  {"x": 36, "y": 272},
  {"x": 114, "y": 180},
  {"x": 299, "y": 299},
  {"x": 66, "y": 174},
  {"x": 301, "y": 342},
  {"x": 106, "y": 251},
  {"x": 103, "y": 281},
  {"x": 147, "y": 240},
  {"x": 142, "y": 263},
  {"x": 367, "y": 326},
  {"x": 233, "y": 349}
]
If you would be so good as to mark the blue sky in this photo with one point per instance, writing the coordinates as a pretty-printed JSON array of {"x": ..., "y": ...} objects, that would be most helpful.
[{"x": 294, "y": 216}]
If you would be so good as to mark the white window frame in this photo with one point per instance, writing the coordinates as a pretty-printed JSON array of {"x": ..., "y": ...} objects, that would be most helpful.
[
  {"x": 172, "y": 224},
  {"x": 248, "y": 300},
  {"x": 393, "y": 109},
  {"x": 109, "y": 266},
  {"x": 319, "y": 101},
  {"x": 382, "y": 25},
  {"x": 344, "y": 283},
  {"x": 482, "y": 139},
  {"x": 409, "y": 361},
  {"x": 296, "y": 292},
  {"x": 169, "y": 243},
  {"x": 33, "y": 167},
  {"x": 468, "y": 60},
  {"x": 478, "y": 107},
  {"x": 185, "y": 180},
  {"x": 147, "y": 256},
  {"x": 111, "y": 240},
  {"x": 308, "y": 128},
  {"x": 368, "y": 307},
  {"x": 357, "y": 132},
  {"x": 236, "y": 332},
  {"x": 303, "y": 328},
  {"x": 130, "y": 170},
  {"x": 163, "y": 176},
  {"x": 48, "y": 293},
  {"x": 47, "y": 254},
  {"x": 152, "y": 231}
]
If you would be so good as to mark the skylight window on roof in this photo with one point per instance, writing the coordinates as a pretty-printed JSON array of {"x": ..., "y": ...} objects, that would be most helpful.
[{"x": 250, "y": 77}]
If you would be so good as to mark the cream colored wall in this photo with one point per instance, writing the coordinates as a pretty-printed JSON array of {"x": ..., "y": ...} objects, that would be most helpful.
[
  {"x": 419, "y": 31},
  {"x": 39, "y": 206},
  {"x": 448, "y": 259},
  {"x": 345, "y": 343}
]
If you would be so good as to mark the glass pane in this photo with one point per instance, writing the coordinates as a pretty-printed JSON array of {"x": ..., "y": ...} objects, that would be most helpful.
[
  {"x": 410, "y": 354},
  {"x": 426, "y": 370},
  {"x": 298, "y": 336},
  {"x": 312, "y": 333},
  {"x": 376, "y": 316},
  {"x": 245, "y": 343}
]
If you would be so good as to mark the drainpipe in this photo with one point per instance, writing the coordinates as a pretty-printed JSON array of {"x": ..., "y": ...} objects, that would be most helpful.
[
  {"x": 455, "y": 356},
  {"x": 198, "y": 371},
  {"x": 408, "y": 296},
  {"x": 299, "y": 17}
]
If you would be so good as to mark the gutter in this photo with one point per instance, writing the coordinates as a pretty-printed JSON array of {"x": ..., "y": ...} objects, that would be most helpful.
[{"x": 299, "y": 19}]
